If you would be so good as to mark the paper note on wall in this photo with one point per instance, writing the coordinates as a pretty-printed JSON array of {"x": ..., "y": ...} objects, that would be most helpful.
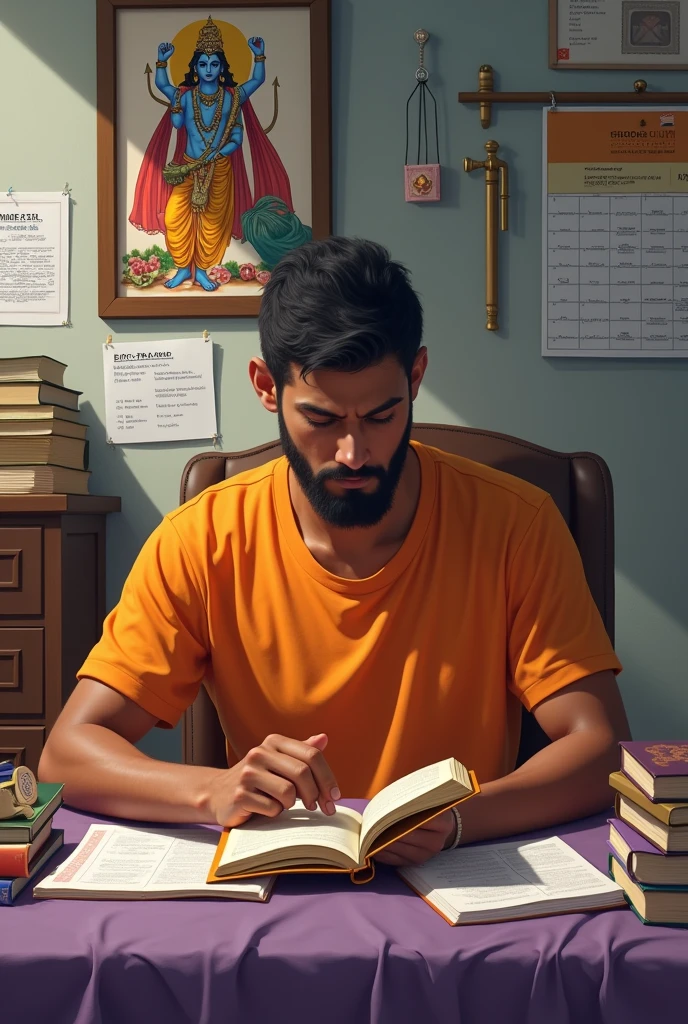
[
  {"x": 34, "y": 258},
  {"x": 159, "y": 391}
]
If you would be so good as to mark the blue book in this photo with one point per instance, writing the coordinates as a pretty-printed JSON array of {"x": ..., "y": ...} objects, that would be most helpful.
[
  {"x": 653, "y": 904},
  {"x": 11, "y": 887},
  {"x": 6, "y": 769}
]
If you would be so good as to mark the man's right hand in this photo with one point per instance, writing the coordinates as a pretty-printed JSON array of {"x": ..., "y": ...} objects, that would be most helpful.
[
  {"x": 92, "y": 751},
  {"x": 271, "y": 778}
]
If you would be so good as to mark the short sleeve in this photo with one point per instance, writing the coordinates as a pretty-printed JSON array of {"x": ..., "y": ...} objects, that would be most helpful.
[
  {"x": 556, "y": 633},
  {"x": 154, "y": 644}
]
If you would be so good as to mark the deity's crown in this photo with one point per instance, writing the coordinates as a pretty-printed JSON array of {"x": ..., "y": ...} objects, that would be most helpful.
[{"x": 209, "y": 38}]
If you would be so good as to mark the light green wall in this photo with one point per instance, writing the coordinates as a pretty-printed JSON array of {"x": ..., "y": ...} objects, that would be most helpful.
[{"x": 634, "y": 414}]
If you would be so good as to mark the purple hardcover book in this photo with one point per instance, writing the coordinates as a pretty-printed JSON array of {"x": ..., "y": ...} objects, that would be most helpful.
[
  {"x": 659, "y": 768},
  {"x": 643, "y": 862}
]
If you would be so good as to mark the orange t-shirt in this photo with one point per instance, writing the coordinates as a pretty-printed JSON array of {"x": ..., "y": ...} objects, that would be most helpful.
[{"x": 484, "y": 605}]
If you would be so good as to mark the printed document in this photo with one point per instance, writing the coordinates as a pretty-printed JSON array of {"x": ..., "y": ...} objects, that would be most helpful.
[{"x": 159, "y": 391}]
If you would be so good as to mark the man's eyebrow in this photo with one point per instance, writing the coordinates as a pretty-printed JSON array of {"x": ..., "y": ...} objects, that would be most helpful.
[{"x": 317, "y": 411}]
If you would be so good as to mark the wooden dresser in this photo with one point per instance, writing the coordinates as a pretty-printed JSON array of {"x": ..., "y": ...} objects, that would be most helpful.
[{"x": 52, "y": 605}]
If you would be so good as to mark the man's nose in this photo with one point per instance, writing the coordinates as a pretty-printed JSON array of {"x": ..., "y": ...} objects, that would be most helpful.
[{"x": 351, "y": 451}]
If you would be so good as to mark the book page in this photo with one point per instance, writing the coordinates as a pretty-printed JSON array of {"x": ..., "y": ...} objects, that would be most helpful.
[
  {"x": 400, "y": 793},
  {"x": 294, "y": 828},
  {"x": 119, "y": 859},
  {"x": 506, "y": 875}
]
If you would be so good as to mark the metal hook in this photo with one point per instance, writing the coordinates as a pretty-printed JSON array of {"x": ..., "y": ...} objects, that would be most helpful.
[
  {"x": 553, "y": 103},
  {"x": 421, "y": 36},
  {"x": 66, "y": 190},
  {"x": 9, "y": 191}
]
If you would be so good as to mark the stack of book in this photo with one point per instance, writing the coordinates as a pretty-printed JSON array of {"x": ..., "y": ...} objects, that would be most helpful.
[
  {"x": 43, "y": 446},
  {"x": 648, "y": 837},
  {"x": 27, "y": 844}
]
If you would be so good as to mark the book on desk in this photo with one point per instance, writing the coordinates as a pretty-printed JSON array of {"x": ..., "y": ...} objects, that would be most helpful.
[
  {"x": 27, "y": 844},
  {"x": 648, "y": 837},
  {"x": 493, "y": 881}
]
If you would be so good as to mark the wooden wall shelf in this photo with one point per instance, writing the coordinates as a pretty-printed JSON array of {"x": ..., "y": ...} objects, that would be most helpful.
[{"x": 487, "y": 95}]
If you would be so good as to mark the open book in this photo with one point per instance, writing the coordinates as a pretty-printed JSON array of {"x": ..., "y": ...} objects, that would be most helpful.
[
  {"x": 302, "y": 840},
  {"x": 506, "y": 881},
  {"x": 120, "y": 862}
]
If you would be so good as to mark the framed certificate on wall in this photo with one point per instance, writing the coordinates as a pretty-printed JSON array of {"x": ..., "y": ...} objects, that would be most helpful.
[{"x": 614, "y": 34}]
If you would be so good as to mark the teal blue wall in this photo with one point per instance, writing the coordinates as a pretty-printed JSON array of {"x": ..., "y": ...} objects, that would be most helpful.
[{"x": 634, "y": 414}]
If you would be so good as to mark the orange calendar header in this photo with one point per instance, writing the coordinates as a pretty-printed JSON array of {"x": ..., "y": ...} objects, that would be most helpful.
[{"x": 627, "y": 136}]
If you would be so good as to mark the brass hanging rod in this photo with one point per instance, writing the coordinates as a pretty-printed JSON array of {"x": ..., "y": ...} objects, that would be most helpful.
[{"x": 487, "y": 95}]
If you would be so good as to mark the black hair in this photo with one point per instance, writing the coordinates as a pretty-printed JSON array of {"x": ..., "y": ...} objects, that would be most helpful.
[
  {"x": 224, "y": 69},
  {"x": 338, "y": 304}
]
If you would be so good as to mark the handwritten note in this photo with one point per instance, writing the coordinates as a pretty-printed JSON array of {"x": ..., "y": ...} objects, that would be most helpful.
[{"x": 159, "y": 391}]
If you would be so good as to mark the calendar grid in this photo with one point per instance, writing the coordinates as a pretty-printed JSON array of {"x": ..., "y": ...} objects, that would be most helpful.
[{"x": 617, "y": 273}]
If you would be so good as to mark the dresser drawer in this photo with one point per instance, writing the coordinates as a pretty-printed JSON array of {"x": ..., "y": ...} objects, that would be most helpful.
[
  {"x": 22, "y": 744},
  {"x": 21, "y": 576},
  {"x": 21, "y": 671}
]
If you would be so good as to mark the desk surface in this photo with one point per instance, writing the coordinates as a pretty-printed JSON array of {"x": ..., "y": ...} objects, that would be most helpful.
[{"x": 324, "y": 950}]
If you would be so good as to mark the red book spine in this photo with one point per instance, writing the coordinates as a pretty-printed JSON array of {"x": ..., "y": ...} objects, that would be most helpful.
[{"x": 14, "y": 861}]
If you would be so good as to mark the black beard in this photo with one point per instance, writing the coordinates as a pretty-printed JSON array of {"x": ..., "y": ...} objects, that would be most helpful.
[{"x": 354, "y": 508}]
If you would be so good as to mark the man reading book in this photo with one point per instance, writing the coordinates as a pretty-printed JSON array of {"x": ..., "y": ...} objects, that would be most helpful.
[{"x": 359, "y": 608}]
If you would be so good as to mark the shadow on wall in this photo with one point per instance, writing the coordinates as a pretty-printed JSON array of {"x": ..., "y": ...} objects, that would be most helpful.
[
  {"x": 112, "y": 473},
  {"x": 632, "y": 413},
  {"x": 46, "y": 29},
  {"x": 122, "y": 470}
]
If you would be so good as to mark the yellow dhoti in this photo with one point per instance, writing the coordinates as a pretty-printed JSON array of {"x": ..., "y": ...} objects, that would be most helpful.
[{"x": 201, "y": 236}]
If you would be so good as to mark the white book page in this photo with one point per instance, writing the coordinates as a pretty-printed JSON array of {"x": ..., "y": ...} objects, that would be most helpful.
[
  {"x": 399, "y": 793},
  {"x": 119, "y": 859},
  {"x": 295, "y": 827},
  {"x": 504, "y": 875}
]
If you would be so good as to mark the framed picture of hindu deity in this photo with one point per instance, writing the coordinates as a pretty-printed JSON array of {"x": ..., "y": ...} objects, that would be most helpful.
[
  {"x": 214, "y": 152},
  {"x": 637, "y": 35}
]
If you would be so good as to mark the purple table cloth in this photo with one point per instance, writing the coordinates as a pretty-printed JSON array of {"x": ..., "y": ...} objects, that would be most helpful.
[{"x": 324, "y": 950}]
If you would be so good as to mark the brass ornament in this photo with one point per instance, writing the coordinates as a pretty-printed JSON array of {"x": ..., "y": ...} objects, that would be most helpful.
[{"x": 496, "y": 194}]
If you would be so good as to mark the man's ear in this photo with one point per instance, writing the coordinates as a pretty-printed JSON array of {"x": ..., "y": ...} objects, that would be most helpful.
[
  {"x": 263, "y": 383},
  {"x": 420, "y": 365}
]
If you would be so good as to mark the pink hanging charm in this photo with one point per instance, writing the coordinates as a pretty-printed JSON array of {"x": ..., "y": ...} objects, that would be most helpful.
[{"x": 422, "y": 180}]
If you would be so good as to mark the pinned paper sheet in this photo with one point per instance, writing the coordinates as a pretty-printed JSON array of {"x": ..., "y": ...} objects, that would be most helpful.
[
  {"x": 34, "y": 258},
  {"x": 159, "y": 391}
]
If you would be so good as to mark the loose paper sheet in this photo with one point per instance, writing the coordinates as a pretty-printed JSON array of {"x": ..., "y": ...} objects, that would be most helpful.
[
  {"x": 122, "y": 860},
  {"x": 159, "y": 391},
  {"x": 34, "y": 259},
  {"x": 500, "y": 876}
]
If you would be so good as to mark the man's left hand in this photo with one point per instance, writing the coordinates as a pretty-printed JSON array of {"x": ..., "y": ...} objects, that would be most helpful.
[{"x": 421, "y": 844}]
